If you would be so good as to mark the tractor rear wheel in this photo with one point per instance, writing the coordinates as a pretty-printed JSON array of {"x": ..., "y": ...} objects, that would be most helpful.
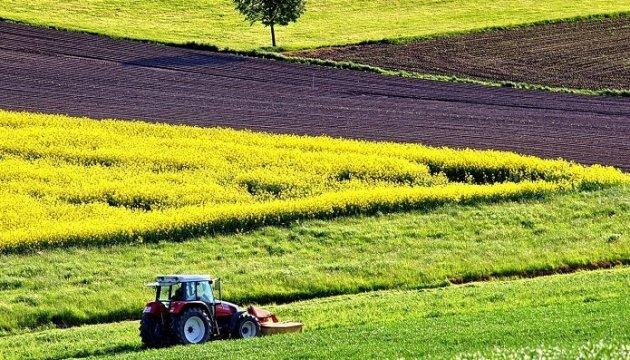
[
  {"x": 247, "y": 326},
  {"x": 152, "y": 331},
  {"x": 192, "y": 326}
]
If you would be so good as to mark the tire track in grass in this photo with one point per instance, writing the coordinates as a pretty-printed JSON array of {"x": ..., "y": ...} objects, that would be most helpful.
[{"x": 586, "y": 292}]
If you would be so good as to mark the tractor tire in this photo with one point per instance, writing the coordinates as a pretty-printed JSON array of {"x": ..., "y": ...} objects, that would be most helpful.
[
  {"x": 152, "y": 332},
  {"x": 247, "y": 326},
  {"x": 192, "y": 326}
]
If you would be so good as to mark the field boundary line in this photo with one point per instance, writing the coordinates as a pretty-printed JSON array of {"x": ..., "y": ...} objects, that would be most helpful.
[
  {"x": 278, "y": 54},
  {"x": 448, "y": 34},
  {"x": 348, "y": 65}
]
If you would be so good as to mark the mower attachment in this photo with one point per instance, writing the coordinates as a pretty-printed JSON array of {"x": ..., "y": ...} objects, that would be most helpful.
[{"x": 269, "y": 324}]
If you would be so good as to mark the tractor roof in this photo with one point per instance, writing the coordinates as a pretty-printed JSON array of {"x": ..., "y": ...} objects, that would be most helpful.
[{"x": 173, "y": 279}]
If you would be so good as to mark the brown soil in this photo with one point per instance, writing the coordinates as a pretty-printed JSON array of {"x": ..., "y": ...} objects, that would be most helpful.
[
  {"x": 592, "y": 54},
  {"x": 60, "y": 72}
]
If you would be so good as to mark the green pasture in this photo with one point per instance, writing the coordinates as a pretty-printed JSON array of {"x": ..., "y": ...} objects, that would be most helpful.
[
  {"x": 561, "y": 317},
  {"x": 449, "y": 244},
  {"x": 326, "y": 22}
]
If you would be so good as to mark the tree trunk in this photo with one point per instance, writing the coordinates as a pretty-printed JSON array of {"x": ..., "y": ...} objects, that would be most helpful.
[{"x": 273, "y": 36}]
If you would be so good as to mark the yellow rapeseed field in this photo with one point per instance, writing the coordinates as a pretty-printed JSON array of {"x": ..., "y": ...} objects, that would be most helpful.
[{"x": 66, "y": 181}]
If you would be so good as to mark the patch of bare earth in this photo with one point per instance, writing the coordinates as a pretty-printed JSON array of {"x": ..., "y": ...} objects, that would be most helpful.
[{"x": 592, "y": 54}]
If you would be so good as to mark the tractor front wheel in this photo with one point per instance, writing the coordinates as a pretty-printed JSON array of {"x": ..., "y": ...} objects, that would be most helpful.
[
  {"x": 192, "y": 326},
  {"x": 247, "y": 326},
  {"x": 152, "y": 331}
]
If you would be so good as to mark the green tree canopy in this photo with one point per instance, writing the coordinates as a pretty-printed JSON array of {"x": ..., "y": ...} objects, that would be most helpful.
[{"x": 271, "y": 12}]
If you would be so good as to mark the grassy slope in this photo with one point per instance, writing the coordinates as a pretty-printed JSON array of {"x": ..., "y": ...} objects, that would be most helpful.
[
  {"x": 326, "y": 22},
  {"x": 319, "y": 258},
  {"x": 562, "y": 311}
]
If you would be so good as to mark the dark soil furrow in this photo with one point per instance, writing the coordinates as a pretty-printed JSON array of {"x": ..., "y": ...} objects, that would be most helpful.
[
  {"x": 592, "y": 54},
  {"x": 60, "y": 72}
]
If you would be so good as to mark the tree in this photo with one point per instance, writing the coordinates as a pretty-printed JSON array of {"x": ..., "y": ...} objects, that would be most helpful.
[{"x": 271, "y": 12}]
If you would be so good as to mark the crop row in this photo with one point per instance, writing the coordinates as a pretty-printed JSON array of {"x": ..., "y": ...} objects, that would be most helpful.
[{"x": 70, "y": 181}]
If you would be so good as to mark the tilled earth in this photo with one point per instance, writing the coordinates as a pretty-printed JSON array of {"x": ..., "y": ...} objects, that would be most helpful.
[
  {"x": 591, "y": 54},
  {"x": 59, "y": 72}
]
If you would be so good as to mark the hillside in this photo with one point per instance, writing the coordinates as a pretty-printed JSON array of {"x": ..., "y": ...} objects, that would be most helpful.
[
  {"x": 434, "y": 180},
  {"x": 326, "y": 22}
]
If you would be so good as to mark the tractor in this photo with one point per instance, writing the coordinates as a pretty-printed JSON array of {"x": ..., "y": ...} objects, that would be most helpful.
[{"x": 185, "y": 311}]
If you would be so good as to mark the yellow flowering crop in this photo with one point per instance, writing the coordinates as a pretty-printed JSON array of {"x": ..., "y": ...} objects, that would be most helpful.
[{"x": 66, "y": 181}]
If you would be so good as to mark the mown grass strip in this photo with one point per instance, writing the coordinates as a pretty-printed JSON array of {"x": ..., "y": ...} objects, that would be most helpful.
[
  {"x": 349, "y": 65},
  {"x": 558, "y": 312},
  {"x": 421, "y": 249}
]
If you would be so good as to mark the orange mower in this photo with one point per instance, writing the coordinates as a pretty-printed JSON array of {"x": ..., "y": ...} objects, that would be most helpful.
[{"x": 185, "y": 311}]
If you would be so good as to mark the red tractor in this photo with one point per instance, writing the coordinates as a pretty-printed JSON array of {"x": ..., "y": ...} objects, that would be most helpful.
[{"x": 185, "y": 311}]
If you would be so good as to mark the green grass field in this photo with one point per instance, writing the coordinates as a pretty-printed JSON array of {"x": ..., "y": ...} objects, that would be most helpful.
[
  {"x": 326, "y": 22},
  {"x": 559, "y": 316},
  {"x": 72, "y": 286},
  {"x": 383, "y": 286}
]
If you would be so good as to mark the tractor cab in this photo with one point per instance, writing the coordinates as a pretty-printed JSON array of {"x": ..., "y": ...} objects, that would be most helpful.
[{"x": 175, "y": 288}]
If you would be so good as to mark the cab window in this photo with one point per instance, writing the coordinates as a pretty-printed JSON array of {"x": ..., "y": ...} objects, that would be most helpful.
[
  {"x": 190, "y": 291},
  {"x": 164, "y": 291},
  {"x": 178, "y": 292},
  {"x": 204, "y": 292},
  {"x": 183, "y": 292}
]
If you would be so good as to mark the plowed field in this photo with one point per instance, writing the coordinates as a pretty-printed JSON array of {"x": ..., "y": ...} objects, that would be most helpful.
[
  {"x": 591, "y": 54},
  {"x": 59, "y": 72}
]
